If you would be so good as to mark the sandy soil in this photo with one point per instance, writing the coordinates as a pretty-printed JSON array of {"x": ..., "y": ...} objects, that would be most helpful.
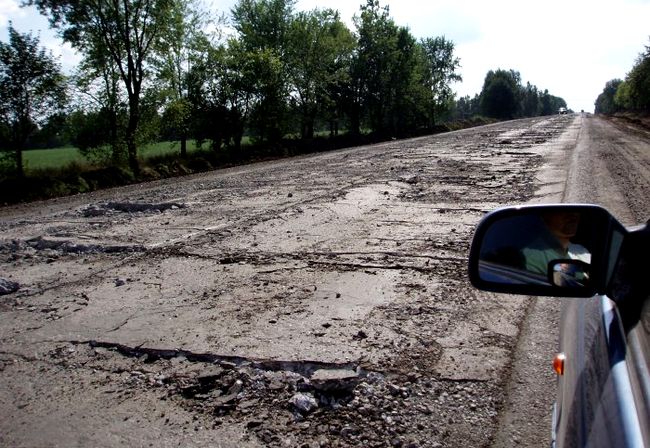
[{"x": 317, "y": 301}]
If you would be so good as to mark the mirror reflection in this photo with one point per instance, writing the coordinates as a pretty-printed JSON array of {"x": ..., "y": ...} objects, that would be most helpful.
[
  {"x": 549, "y": 247},
  {"x": 570, "y": 273}
]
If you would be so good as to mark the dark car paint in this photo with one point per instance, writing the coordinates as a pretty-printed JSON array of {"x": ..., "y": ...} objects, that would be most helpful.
[{"x": 596, "y": 405}]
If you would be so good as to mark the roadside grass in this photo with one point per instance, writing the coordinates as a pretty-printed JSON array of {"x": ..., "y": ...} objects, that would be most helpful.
[
  {"x": 637, "y": 119},
  {"x": 39, "y": 160},
  {"x": 56, "y": 158},
  {"x": 68, "y": 157},
  {"x": 166, "y": 149},
  {"x": 64, "y": 171}
]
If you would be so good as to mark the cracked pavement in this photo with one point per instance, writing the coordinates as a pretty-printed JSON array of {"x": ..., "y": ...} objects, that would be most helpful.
[{"x": 315, "y": 301}]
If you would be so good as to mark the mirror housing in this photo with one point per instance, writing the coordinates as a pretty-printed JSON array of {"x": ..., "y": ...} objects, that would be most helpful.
[{"x": 553, "y": 250}]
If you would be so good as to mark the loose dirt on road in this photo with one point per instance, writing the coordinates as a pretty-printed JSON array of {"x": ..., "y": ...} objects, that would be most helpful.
[{"x": 316, "y": 301}]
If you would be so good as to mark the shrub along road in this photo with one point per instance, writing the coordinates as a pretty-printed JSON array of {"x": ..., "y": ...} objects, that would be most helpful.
[{"x": 316, "y": 301}]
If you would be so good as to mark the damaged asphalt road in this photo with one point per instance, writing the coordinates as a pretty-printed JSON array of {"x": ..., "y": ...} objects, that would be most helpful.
[{"x": 316, "y": 301}]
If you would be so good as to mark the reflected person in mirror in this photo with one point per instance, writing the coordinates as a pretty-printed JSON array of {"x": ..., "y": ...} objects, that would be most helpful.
[{"x": 556, "y": 243}]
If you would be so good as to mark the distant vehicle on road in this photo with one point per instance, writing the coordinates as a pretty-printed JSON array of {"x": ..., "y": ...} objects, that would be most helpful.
[
  {"x": 563, "y": 111},
  {"x": 603, "y": 364}
]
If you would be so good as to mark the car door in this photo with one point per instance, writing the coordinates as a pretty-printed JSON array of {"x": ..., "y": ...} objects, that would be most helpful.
[{"x": 598, "y": 404}]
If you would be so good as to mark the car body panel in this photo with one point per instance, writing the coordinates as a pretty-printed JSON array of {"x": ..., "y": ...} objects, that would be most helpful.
[{"x": 596, "y": 403}]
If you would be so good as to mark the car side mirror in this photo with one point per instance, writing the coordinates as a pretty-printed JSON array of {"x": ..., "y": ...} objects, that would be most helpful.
[{"x": 554, "y": 250}]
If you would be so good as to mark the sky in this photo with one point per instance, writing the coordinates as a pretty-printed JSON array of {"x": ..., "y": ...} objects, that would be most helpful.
[{"x": 570, "y": 47}]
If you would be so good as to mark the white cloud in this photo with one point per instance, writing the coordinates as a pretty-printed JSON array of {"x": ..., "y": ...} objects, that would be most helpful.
[
  {"x": 28, "y": 20},
  {"x": 570, "y": 48},
  {"x": 8, "y": 9}
]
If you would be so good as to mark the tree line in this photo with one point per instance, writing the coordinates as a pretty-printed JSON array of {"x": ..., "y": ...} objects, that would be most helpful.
[
  {"x": 158, "y": 70},
  {"x": 631, "y": 94},
  {"x": 504, "y": 97}
]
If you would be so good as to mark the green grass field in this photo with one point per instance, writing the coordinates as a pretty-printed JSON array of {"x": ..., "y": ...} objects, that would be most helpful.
[
  {"x": 38, "y": 159},
  {"x": 57, "y": 158},
  {"x": 60, "y": 158}
]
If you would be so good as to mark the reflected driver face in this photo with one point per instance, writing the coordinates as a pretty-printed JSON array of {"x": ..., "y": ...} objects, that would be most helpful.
[{"x": 562, "y": 224}]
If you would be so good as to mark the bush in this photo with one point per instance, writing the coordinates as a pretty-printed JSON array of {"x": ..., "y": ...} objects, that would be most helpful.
[
  {"x": 108, "y": 177},
  {"x": 199, "y": 164},
  {"x": 77, "y": 184}
]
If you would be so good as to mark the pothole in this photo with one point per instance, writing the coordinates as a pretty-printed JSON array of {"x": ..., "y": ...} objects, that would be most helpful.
[
  {"x": 110, "y": 208},
  {"x": 64, "y": 246}
]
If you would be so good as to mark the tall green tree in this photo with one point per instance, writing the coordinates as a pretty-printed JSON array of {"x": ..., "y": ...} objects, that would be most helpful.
[
  {"x": 638, "y": 83},
  {"x": 373, "y": 65},
  {"x": 631, "y": 94},
  {"x": 100, "y": 96},
  {"x": 550, "y": 104},
  {"x": 320, "y": 48},
  {"x": 622, "y": 97},
  {"x": 32, "y": 89},
  {"x": 605, "y": 103},
  {"x": 184, "y": 45},
  {"x": 441, "y": 72},
  {"x": 389, "y": 75},
  {"x": 238, "y": 87},
  {"x": 467, "y": 107},
  {"x": 500, "y": 94},
  {"x": 530, "y": 101},
  {"x": 263, "y": 27},
  {"x": 127, "y": 30},
  {"x": 222, "y": 91},
  {"x": 405, "y": 86}
]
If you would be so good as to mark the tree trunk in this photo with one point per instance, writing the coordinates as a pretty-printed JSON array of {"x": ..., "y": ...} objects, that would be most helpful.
[
  {"x": 237, "y": 135},
  {"x": 19, "y": 162},
  {"x": 133, "y": 154},
  {"x": 184, "y": 146},
  {"x": 310, "y": 127},
  {"x": 433, "y": 116},
  {"x": 20, "y": 134},
  {"x": 355, "y": 121},
  {"x": 307, "y": 131},
  {"x": 134, "y": 121},
  {"x": 131, "y": 130},
  {"x": 116, "y": 148},
  {"x": 236, "y": 125},
  {"x": 216, "y": 143},
  {"x": 237, "y": 138}
]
